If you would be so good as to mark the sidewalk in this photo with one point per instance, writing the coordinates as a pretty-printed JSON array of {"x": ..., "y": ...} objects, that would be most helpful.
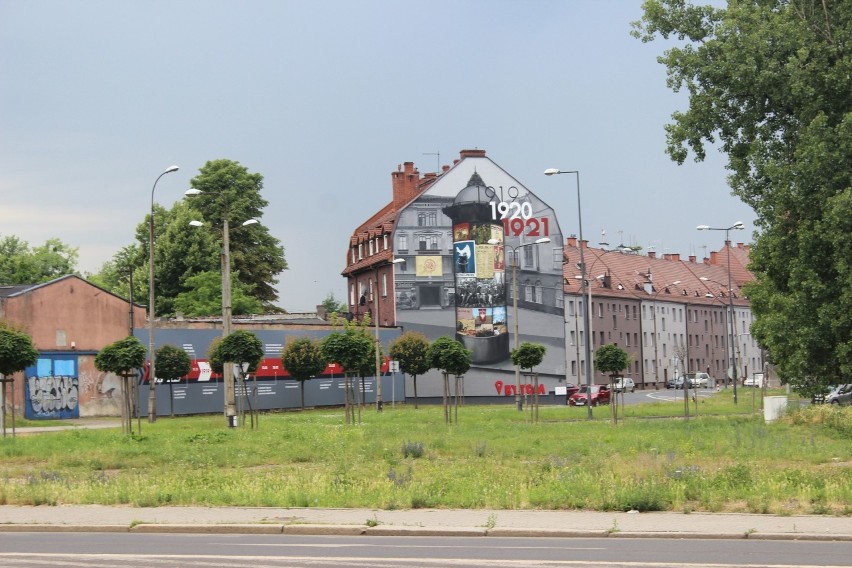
[{"x": 422, "y": 522}]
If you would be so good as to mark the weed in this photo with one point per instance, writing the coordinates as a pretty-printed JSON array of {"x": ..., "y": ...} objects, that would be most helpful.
[
  {"x": 614, "y": 528},
  {"x": 374, "y": 522},
  {"x": 412, "y": 450},
  {"x": 491, "y": 522}
]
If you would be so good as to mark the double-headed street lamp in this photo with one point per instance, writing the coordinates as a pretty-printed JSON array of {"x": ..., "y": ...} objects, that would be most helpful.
[
  {"x": 227, "y": 370},
  {"x": 586, "y": 313},
  {"x": 518, "y": 400},
  {"x": 152, "y": 382},
  {"x": 739, "y": 225}
]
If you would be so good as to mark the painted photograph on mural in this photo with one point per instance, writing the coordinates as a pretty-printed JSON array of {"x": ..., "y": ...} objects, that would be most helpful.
[
  {"x": 464, "y": 256},
  {"x": 461, "y": 232}
]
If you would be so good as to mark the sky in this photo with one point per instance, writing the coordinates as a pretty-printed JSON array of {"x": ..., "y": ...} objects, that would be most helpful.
[{"x": 325, "y": 98}]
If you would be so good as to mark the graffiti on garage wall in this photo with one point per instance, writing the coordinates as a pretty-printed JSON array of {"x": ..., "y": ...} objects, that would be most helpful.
[{"x": 52, "y": 389}]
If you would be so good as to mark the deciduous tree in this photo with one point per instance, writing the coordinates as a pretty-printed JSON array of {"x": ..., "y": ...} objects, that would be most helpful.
[
  {"x": 303, "y": 359},
  {"x": 411, "y": 350},
  {"x": 769, "y": 83}
]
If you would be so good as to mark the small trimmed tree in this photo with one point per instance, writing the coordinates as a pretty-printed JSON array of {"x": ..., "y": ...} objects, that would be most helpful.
[
  {"x": 303, "y": 359},
  {"x": 611, "y": 359},
  {"x": 450, "y": 357},
  {"x": 245, "y": 350},
  {"x": 122, "y": 358},
  {"x": 352, "y": 349},
  {"x": 411, "y": 349},
  {"x": 527, "y": 356},
  {"x": 172, "y": 364},
  {"x": 16, "y": 354}
]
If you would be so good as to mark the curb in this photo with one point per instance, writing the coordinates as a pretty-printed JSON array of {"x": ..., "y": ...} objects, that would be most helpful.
[{"x": 410, "y": 531}]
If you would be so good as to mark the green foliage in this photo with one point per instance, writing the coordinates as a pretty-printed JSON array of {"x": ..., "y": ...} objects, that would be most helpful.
[
  {"x": 122, "y": 356},
  {"x": 711, "y": 463},
  {"x": 242, "y": 347},
  {"x": 172, "y": 363},
  {"x": 115, "y": 274},
  {"x": 20, "y": 264},
  {"x": 332, "y": 306},
  {"x": 611, "y": 359},
  {"x": 230, "y": 190},
  {"x": 528, "y": 355},
  {"x": 16, "y": 350},
  {"x": 214, "y": 356},
  {"x": 769, "y": 82},
  {"x": 411, "y": 350},
  {"x": 351, "y": 348},
  {"x": 303, "y": 358},
  {"x": 449, "y": 356},
  {"x": 203, "y": 296}
]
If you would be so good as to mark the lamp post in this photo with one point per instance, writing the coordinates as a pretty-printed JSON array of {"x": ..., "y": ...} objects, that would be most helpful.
[
  {"x": 152, "y": 382},
  {"x": 379, "y": 402},
  {"x": 739, "y": 226},
  {"x": 518, "y": 400},
  {"x": 583, "y": 274},
  {"x": 227, "y": 370}
]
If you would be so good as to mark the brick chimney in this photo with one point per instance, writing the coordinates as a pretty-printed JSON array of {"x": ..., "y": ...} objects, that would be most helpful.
[
  {"x": 652, "y": 254},
  {"x": 714, "y": 257},
  {"x": 692, "y": 259},
  {"x": 406, "y": 183},
  {"x": 471, "y": 154},
  {"x": 571, "y": 241}
]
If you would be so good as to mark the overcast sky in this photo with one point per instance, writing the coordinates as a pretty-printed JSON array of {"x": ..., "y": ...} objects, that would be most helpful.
[{"x": 325, "y": 99}]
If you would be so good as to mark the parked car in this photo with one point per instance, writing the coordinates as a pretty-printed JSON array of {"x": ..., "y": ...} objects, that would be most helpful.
[
  {"x": 570, "y": 388},
  {"x": 698, "y": 380},
  {"x": 841, "y": 395},
  {"x": 625, "y": 384},
  {"x": 600, "y": 394},
  {"x": 671, "y": 382},
  {"x": 678, "y": 383},
  {"x": 754, "y": 381}
]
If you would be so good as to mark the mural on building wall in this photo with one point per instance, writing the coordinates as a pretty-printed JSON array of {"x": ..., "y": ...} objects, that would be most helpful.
[
  {"x": 52, "y": 389},
  {"x": 461, "y": 281}
]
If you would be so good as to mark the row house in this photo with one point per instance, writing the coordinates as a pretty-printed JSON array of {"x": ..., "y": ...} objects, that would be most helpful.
[{"x": 671, "y": 316}]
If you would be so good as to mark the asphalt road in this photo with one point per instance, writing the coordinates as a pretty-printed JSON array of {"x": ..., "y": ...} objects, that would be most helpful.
[{"x": 98, "y": 550}]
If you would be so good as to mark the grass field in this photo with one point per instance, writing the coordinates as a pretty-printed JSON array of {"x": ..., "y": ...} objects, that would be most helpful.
[{"x": 725, "y": 459}]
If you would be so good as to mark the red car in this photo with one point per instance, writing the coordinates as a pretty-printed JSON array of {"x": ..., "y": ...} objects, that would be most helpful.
[{"x": 600, "y": 395}]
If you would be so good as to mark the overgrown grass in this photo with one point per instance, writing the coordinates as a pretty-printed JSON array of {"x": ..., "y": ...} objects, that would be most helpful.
[{"x": 493, "y": 458}]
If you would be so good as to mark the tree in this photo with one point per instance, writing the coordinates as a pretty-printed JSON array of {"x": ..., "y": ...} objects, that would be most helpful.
[
  {"x": 172, "y": 364},
  {"x": 451, "y": 358},
  {"x": 16, "y": 354},
  {"x": 411, "y": 350},
  {"x": 230, "y": 191},
  {"x": 20, "y": 264},
  {"x": 770, "y": 82},
  {"x": 332, "y": 306},
  {"x": 528, "y": 355},
  {"x": 352, "y": 349},
  {"x": 303, "y": 359},
  {"x": 245, "y": 350},
  {"x": 612, "y": 359},
  {"x": 122, "y": 358},
  {"x": 203, "y": 296}
]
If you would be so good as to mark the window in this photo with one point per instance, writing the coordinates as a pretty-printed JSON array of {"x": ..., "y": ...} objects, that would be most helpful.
[
  {"x": 557, "y": 258},
  {"x": 427, "y": 218},
  {"x": 403, "y": 241},
  {"x": 528, "y": 257},
  {"x": 384, "y": 285},
  {"x": 528, "y": 292},
  {"x": 538, "y": 293},
  {"x": 570, "y": 307},
  {"x": 360, "y": 251},
  {"x": 372, "y": 252},
  {"x": 353, "y": 255},
  {"x": 427, "y": 242},
  {"x": 573, "y": 338},
  {"x": 351, "y": 294},
  {"x": 384, "y": 242},
  {"x": 560, "y": 300}
]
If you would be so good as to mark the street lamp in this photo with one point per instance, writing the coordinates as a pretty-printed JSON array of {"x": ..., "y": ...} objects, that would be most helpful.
[
  {"x": 227, "y": 370},
  {"x": 739, "y": 226},
  {"x": 152, "y": 382},
  {"x": 518, "y": 400},
  {"x": 379, "y": 402},
  {"x": 586, "y": 312}
]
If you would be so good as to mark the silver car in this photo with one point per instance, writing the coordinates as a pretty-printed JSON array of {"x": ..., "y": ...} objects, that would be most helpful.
[{"x": 841, "y": 395}]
